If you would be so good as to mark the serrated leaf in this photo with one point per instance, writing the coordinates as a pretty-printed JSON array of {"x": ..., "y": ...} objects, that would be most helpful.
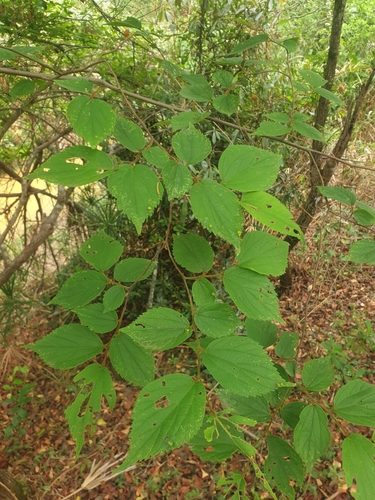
[
  {"x": 223, "y": 78},
  {"x": 358, "y": 463},
  {"x": 345, "y": 196},
  {"x": 283, "y": 465},
  {"x": 138, "y": 192},
  {"x": 101, "y": 251},
  {"x": 75, "y": 166},
  {"x": 318, "y": 374},
  {"x": 80, "y": 289},
  {"x": 312, "y": 78},
  {"x": 311, "y": 435},
  {"x": 256, "y": 407},
  {"x": 329, "y": 95},
  {"x": 278, "y": 117},
  {"x": 307, "y": 131},
  {"x": 102, "y": 382},
  {"x": 216, "y": 320},
  {"x": 287, "y": 345},
  {"x": 113, "y": 298},
  {"x": 176, "y": 178},
  {"x": 271, "y": 129},
  {"x": 269, "y": 211},
  {"x": 129, "y": 134},
  {"x": 22, "y": 88},
  {"x": 263, "y": 332},
  {"x": 355, "y": 402},
  {"x": 67, "y": 346},
  {"x": 92, "y": 119},
  {"x": 263, "y": 253},
  {"x": 94, "y": 317},
  {"x": 186, "y": 118},
  {"x": 75, "y": 84},
  {"x": 252, "y": 293},
  {"x": 241, "y": 366},
  {"x": 248, "y": 44},
  {"x": 131, "y": 361},
  {"x": 217, "y": 208},
  {"x": 133, "y": 269},
  {"x": 203, "y": 292},
  {"x": 155, "y": 156},
  {"x": 168, "y": 412},
  {"x": 363, "y": 252},
  {"x": 77, "y": 423},
  {"x": 226, "y": 104},
  {"x": 363, "y": 217},
  {"x": 191, "y": 146},
  {"x": 159, "y": 329},
  {"x": 193, "y": 252},
  {"x": 247, "y": 168},
  {"x": 199, "y": 92},
  {"x": 291, "y": 412}
]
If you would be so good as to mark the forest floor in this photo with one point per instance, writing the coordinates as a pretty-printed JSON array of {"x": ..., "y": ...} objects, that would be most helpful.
[{"x": 328, "y": 306}]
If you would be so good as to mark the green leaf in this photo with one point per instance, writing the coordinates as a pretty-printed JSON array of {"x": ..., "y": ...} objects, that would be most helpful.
[
  {"x": 217, "y": 208},
  {"x": 138, "y": 192},
  {"x": 311, "y": 435},
  {"x": 252, "y": 293},
  {"x": 94, "y": 317},
  {"x": 101, "y": 251},
  {"x": 287, "y": 345},
  {"x": 291, "y": 412},
  {"x": 301, "y": 87},
  {"x": 359, "y": 465},
  {"x": 223, "y": 78},
  {"x": 186, "y": 118},
  {"x": 271, "y": 129},
  {"x": 263, "y": 332},
  {"x": 156, "y": 156},
  {"x": 80, "y": 289},
  {"x": 76, "y": 84},
  {"x": 193, "y": 252},
  {"x": 191, "y": 146},
  {"x": 129, "y": 22},
  {"x": 226, "y": 104},
  {"x": 307, "y": 131},
  {"x": 101, "y": 379},
  {"x": 269, "y": 211},
  {"x": 133, "y": 269},
  {"x": 247, "y": 168},
  {"x": 199, "y": 92},
  {"x": 241, "y": 366},
  {"x": 177, "y": 179},
  {"x": 6, "y": 55},
  {"x": 203, "y": 292},
  {"x": 329, "y": 95},
  {"x": 290, "y": 44},
  {"x": 92, "y": 119},
  {"x": 278, "y": 117},
  {"x": 318, "y": 374},
  {"x": 256, "y": 407},
  {"x": 129, "y": 134},
  {"x": 355, "y": 402},
  {"x": 345, "y": 196},
  {"x": 244, "y": 447},
  {"x": 312, "y": 78},
  {"x": 248, "y": 44},
  {"x": 229, "y": 61},
  {"x": 75, "y": 166},
  {"x": 221, "y": 447},
  {"x": 283, "y": 465},
  {"x": 159, "y": 329},
  {"x": 363, "y": 252},
  {"x": 113, "y": 298},
  {"x": 216, "y": 320},
  {"x": 22, "y": 88},
  {"x": 263, "y": 253},
  {"x": 172, "y": 69},
  {"x": 77, "y": 423},
  {"x": 364, "y": 218},
  {"x": 131, "y": 361},
  {"x": 67, "y": 346},
  {"x": 168, "y": 412},
  {"x": 365, "y": 207}
]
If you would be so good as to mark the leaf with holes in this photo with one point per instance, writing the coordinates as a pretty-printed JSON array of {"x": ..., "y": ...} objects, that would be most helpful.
[
  {"x": 80, "y": 289},
  {"x": 355, "y": 402},
  {"x": 193, "y": 252},
  {"x": 263, "y": 253},
  {"x": 358, "y": 463},
  {"x": 101, "y": 251},
  {"x": 129, "y": 134},
  {"x": 216, "y": 320},
  {"x": 94, "y": 317},
  {"x": 191, "y": 146},
  {"x": 102, "y": 382}
]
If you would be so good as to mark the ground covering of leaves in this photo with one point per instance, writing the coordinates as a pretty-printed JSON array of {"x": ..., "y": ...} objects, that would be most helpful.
[{"x": 330, "y": 299}]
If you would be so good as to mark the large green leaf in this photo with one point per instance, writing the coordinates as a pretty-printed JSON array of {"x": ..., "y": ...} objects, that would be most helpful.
[
  {"x": 101, "y": 379},
  {"x": 217, "y": 209},
  {"x": 191, "y": 146},
  {"x": 355, "y": 402},
  {"x": 113, "y": 298},
  {"x": 363, "y": 252},
  {"x": 92, "y": 119},
  {"x": 76, "y": 84},
  {"x": 247, "y": 168},
  {"x": 263, "y": 253},
  {"x": 256, "y": 407},
  {"x": 67, "y": 346},
  {"x": 101, "y": 251},
  {"x": 203, "y": 292},
  {"x": 318, "y": 374},
  {"x": 129, "y": 134},
  {"x": 168, "y": 412},
  {"x": 94, "y": 317},
  {"x": 226, "y": 104},
  {"x": 338, "y": 193},
  {"x": 311, "y": 435},
  {"x": 159, "y": 329},
  {"x": 216, "y": 320},
  {"x": 252, "y": 293},
  {"x": 241, "y": 366},
  {"x": 138, "y": 192},
  {"x": 193, "y": 252},
  {"x": 269, "y": 211},
  {"x": 75, "y": 166},
  {"x": 131, "y": 361},
  {"x": 249, "y": 43},
  {"x": 80, "y": 289},
  {"x": 358, "y": 463},
  {"x": 283, "y": 465},
  {"x": 263, "y": 332},
  {"x": 133, "y": 269},
  {"x": 176, "y": 178}
]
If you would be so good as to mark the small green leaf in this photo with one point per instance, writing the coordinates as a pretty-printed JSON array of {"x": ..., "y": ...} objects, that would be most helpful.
[
  {"x": 291, "y": 412},
  {"x": 278, "y": 117},
  {"x": 244, "y": 447},
  {"x": 256, "y": 407},
  {"x": 287, "y": 345},
  {"x": 318, "y": 374},
  {"x": 80, "y": 289},
  {"x": 203, "y": 292},
  {"x": 22, "y": 88},
  {"x": 75, "y": 84},
  {"x": 216, "y": 320},
  {"x": 290, "y": 44},
  {"x": 113, "y": 298},
  {"x": 365, "y": 207},
  {"x": 176, "y": 178},
  {"x": 94, "y": 317},
  {"x": 101, "y": 379},
  {"x": 92, "y": 119},
  {"x": 191, "y": 146},
  {"x": 271, "y": 129},
  {"x": 67, "y": 346},
  {"x": 223, "y": 78},
  {"x": 101, "y": 251},
  {"x": 312, "y": 78},
  {"x": 263, "y": 253},
  {"x": 355, "y": 402},
  {"x": 364, "y": 218},
  {"x": 363, "y": 252},
  {"x": 230, "y": 61},
  {"x": 129, "y": 134},
  {"x": 248, "y": 44},
  {"x": 263, "y": 332},
  {"x": 329, "y": 95},
  {"x": 345, "y": 196},
  {"x": 193, "y": 252},
  {"x": 186, "y": 118},
  {"x": 358, "y": 463},
  {"x": 77, "y": 423},
  {"x": 226, "y": 104},
  {"x": 307, "y": 131},
  {"x": 155, "y": 156},
  {"x": 129, "y": 22},
  {"x": 199, "y": 91},
  {"x": 133, "y": 269}
]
